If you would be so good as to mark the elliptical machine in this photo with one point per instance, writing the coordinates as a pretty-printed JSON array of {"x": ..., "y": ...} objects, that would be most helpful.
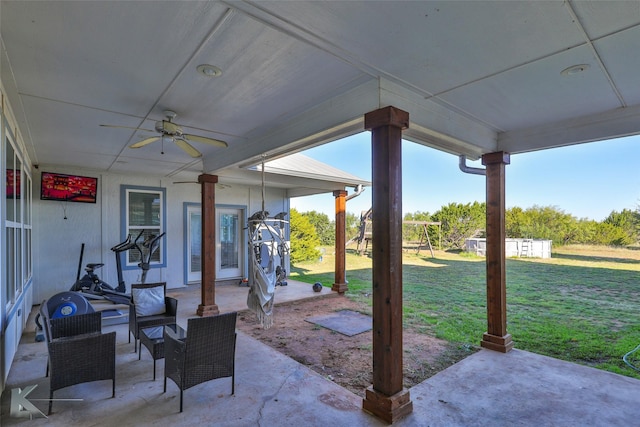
[{"x": 150, "y": 245}]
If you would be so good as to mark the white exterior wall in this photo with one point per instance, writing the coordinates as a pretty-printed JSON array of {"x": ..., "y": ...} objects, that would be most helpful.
[{"x": 57, "y": 242}]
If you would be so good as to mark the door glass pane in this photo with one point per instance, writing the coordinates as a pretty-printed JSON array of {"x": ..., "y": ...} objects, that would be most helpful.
[
  {"x": 195, "y": 241},
  {"x": 228, "y": 241}
]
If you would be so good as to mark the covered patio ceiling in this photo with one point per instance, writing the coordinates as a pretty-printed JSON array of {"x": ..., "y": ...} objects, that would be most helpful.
[{"x": 475, "y": 76}]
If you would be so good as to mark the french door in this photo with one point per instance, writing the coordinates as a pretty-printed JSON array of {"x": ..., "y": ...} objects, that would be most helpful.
[
  {"x": 229, "y": 245},
  {"x": 194, "y": 243}
]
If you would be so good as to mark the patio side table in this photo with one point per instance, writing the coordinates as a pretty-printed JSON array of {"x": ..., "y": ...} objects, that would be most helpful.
[{"x": 153, "y": 339}]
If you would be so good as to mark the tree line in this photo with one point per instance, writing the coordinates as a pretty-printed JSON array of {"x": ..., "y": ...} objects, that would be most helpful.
[{"x": 459, "y": 221}]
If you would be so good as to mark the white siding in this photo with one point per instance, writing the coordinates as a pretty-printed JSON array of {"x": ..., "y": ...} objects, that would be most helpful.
[{"x": 57, "y": 241}]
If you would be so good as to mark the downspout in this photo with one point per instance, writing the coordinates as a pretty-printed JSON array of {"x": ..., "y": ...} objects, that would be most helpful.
[
  {"x": 468, "y": 169},
  {"x": 358, "y": 190}
]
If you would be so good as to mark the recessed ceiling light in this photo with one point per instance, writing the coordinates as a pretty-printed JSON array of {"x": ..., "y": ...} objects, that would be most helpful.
[
  {"x": 575, "y": 69},
  {"x": 209, "y": 70}
]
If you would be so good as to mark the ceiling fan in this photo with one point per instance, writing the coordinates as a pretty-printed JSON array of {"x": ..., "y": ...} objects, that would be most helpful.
[{"x": 167, "y": 128}]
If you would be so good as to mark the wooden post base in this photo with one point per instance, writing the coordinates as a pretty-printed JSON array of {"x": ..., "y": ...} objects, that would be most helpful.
[
  {"x": 207, "y": 310},
  {"x": 387, "y": 408},
  {"x": 493, "y": 342},
  {"x": 340, "y": 288}
]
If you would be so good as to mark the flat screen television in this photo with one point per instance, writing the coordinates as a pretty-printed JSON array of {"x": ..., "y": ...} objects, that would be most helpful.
[{"x": 68, "y": 188}]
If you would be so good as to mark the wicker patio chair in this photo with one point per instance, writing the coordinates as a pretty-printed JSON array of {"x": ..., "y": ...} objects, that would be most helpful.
[
  {"x": 68, "y": 326},
  {"x": 78, "y": 351},
  {"x": 150, "y": 307},
  {"x": 207, "y": 353}
]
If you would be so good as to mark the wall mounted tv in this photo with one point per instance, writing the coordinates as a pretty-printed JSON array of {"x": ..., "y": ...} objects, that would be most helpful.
[{"x": 68, "y": 188}]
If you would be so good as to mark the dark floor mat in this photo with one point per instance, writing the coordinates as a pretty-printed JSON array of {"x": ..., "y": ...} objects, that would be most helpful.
[{"x": 346, "y": 322}]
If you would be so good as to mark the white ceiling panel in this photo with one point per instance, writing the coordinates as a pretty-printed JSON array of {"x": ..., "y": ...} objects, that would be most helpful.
[
  {"x": 101, "y": 54},
  {"x": 434, "y": 45},
  {"x": 538, "y": 92},
  {"x": 473, "y": 75},
  {"x": 258, "y": 63},
  {"x": 601, "y": 18},
  {"x": 74, "y": 128},
  {"x": 623, "y": 66},
  {"x": 150, "y": 166}
]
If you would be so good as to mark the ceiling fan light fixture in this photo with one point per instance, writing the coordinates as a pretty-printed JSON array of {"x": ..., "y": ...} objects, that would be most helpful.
[{"x": 209, "y": 70}]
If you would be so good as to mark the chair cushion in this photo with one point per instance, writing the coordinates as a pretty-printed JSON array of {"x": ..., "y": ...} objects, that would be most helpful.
[{"x": 149, "y": 301}]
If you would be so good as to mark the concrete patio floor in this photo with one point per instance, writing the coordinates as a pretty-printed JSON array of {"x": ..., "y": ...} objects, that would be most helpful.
[{"x": 485, "y": 389}]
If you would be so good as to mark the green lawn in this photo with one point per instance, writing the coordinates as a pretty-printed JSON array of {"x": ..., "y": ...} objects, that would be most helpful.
[{"x": 582, "y": 305}]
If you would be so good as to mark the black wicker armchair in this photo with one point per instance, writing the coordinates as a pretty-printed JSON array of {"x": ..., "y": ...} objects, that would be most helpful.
[
  {"x": 76, "y": 356},
  {"x": 207, "y": 353},
  {"x": 68, "y": 326},
  {"x": 150, "y": 307}
]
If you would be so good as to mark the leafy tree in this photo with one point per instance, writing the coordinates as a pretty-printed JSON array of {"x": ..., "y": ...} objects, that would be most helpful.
[
  {"x": 545, "y": 222},
  {"x": 628, "y": 221},
  {"x": 304, "y": 240},
  {"x": 460, "y": 222},
  {"x": 352, "y": 225},
  {"x": 325, "y": 228},
  {"x": 516, "y": 223},
  {"x": 604, "y": 233}
]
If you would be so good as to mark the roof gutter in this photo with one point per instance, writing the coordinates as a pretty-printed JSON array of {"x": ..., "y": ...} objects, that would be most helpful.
[
  {"x": 358, "y": 191},
  {"x": 468, "y": 169}
]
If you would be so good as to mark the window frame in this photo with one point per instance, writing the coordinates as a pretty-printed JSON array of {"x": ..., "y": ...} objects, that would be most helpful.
[
  {"x": 17, "y": 251},
  {"x": 125, "y": 192}
]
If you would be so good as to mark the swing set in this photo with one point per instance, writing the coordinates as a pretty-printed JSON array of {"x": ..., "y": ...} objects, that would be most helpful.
[{"x": 365, "y": 233}]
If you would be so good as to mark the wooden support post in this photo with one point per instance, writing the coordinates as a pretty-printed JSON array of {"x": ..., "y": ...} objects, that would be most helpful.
[
  {"x": 386, "y": 398},
  {"x": 340, "y": 284},
  {"x": 496, "y": 338},
  {"x": 208, "y": 306}
]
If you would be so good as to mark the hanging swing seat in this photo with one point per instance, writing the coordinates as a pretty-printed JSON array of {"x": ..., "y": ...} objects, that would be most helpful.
[{"x": 267, "y": 250}]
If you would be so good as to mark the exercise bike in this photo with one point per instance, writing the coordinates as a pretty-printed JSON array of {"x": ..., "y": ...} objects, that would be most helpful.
[{"x": 94, "y": 287}]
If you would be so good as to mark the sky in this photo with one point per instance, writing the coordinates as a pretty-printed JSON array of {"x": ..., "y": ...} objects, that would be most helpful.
[{"x": 587, "y": 181}]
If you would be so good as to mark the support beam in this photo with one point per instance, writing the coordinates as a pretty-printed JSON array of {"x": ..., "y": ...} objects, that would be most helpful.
[
  {"x": 340, "y": 284},
  {"x": 208, "y": 306},
  {"x": 386, "y": 398},
  {"x": 496, "y": 338}
]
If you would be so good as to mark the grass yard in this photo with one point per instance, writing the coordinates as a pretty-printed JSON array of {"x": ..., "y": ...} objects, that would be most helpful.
[{"x": 582, "y": 305}]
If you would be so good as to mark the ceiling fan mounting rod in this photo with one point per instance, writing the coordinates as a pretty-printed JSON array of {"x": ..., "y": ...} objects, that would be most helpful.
[{"x": 169, "y": 114}]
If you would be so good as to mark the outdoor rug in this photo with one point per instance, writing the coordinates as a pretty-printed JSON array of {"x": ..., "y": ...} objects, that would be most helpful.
[{"x": 346, "y": 322}]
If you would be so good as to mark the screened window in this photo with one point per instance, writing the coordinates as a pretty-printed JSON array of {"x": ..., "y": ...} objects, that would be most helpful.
[
  {"x": 17, "y": 254},
  {"x": 144, "y": 210}
]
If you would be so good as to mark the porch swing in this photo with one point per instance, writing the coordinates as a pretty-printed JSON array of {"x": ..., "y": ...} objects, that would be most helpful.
[{"x": 267, "y": 250}]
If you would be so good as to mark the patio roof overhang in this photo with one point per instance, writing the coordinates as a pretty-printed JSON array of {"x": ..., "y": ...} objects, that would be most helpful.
[{"x": 476, "y": 77}]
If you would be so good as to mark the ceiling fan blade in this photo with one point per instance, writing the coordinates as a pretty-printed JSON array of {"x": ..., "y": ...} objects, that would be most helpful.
[
  {"x": 126, "y": 127},
  {"x": 144, "y": 142},
  {"x": 205, "y": 140},
  {"x": 187, "y": 147}
]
